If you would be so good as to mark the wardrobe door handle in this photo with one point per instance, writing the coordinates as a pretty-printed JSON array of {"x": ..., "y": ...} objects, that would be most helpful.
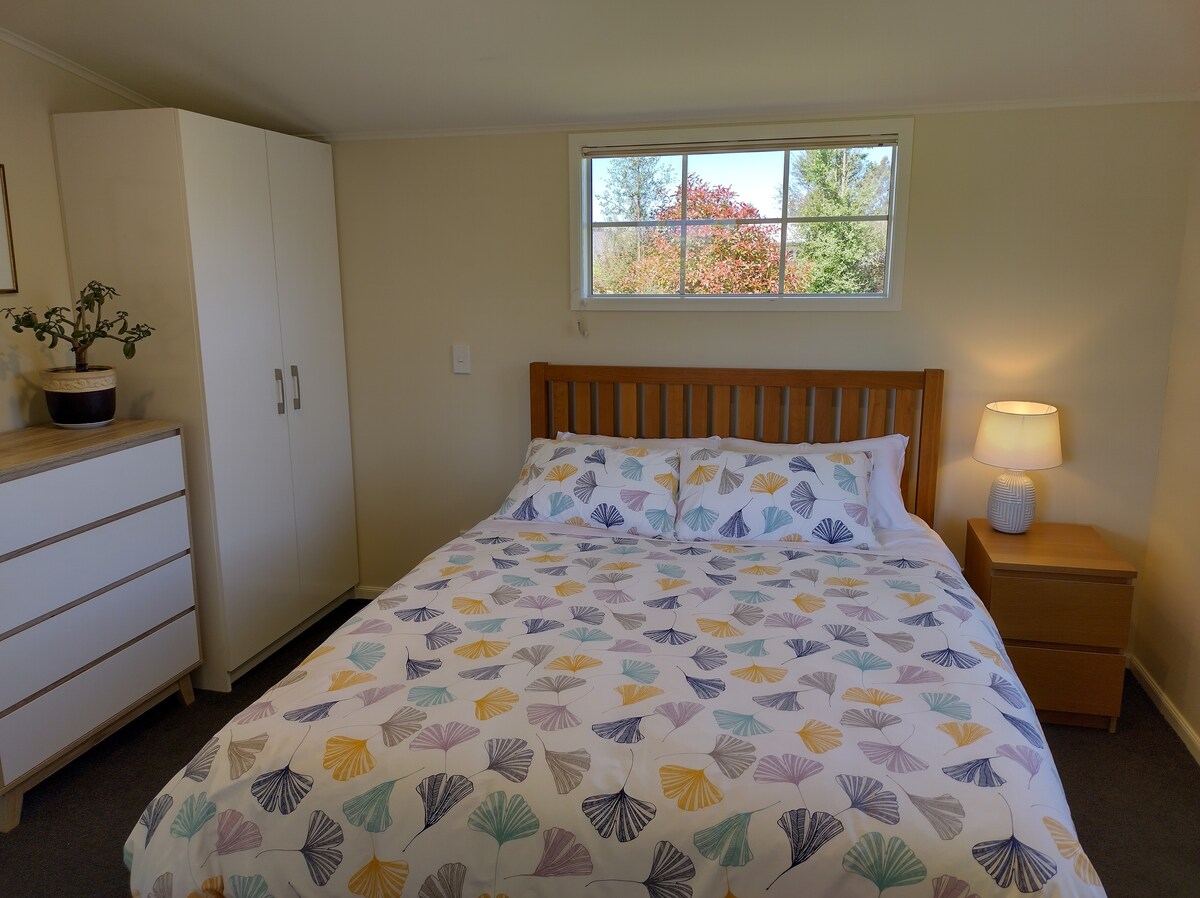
[
  {"x": 280, "y": 408},
  {"x": 296, "y": 386}
]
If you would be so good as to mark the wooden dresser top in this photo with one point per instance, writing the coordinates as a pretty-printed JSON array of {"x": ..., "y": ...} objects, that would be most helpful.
[{"x": 39, "y": 448}]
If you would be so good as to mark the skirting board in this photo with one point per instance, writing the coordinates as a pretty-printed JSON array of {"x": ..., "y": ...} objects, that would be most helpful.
[
  {"x": 1166, "y": 707},
  {"x": 369, "y": 592}
]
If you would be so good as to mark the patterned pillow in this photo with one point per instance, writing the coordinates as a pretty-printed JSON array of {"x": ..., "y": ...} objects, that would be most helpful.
[
  {"x": 629, "y": 490},
  {"x": 731, "y": 496}
]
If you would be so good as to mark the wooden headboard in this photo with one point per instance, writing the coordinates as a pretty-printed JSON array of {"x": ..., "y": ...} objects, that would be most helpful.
[{"x": 769, "y": 404}]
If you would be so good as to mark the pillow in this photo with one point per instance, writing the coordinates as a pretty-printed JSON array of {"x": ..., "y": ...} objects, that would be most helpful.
[
  {"x": 886, "y": 505},
  {"x": 630, "y": 490},
  {"x": 731, "y": 496},
  {"x": 597, "y": 439}
]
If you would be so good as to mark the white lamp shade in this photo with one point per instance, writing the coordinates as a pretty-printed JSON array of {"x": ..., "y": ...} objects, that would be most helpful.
[{"x": 1021, "y": 436}]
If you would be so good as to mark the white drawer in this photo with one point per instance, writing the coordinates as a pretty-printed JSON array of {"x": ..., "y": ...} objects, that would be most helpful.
[
  {"x": 42, "y": 728},
  {"x": 39, "y": 582},
  {"x": 43, "y": 654},
  {"x": 57, "y": 501}
]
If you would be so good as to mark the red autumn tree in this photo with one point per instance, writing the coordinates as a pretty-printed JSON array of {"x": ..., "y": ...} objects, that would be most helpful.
[{"x": 722, "y": 259}]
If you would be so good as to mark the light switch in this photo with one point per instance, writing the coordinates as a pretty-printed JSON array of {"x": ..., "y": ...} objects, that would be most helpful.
[{"x": 461, "y": 356}]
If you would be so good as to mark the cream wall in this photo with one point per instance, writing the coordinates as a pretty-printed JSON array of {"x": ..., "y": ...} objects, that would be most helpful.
[
  {"x": 31, "y": 89},
  {"x": 1167, "y": 645},
  {"x": 1042, "y": 263}
]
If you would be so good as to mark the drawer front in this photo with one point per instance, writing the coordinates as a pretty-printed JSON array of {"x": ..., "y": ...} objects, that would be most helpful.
[
  {"x": 43, "y": 654},
  {"x": 1075, "y": 682},
  {"x": 1072, "y": 612},
  {"x": 97, "y": 488},
  {"x": 39, "y": 582},
  {"x": 41, "y": 729}
]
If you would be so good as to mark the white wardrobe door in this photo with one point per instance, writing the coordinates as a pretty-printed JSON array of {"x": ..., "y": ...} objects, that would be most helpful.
[
  {"x": 229, "y": 215},
  {"x": 310, "y": 303}
]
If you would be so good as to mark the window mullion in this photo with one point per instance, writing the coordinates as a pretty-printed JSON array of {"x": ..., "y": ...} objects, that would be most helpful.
[
  {"x": 783, "y": 225},
  {"x": 683, "y": 217}
]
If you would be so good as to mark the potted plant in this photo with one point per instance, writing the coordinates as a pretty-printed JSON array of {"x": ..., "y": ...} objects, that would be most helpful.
[{"x": 81, "y": 395}]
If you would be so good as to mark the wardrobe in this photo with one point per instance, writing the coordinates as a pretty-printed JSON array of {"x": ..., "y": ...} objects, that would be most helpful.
[{"x": 222, "y": 237}]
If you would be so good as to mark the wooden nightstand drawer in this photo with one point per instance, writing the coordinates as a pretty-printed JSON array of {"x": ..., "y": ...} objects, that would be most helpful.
[
  {"x": 1061, "y": 598},
  {"x": 1073, "y": 682},
  {"x": 1074, "y": 612}
]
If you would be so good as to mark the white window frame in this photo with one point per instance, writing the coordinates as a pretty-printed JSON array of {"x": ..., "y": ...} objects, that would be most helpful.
[{"x": 582, "y": 146}]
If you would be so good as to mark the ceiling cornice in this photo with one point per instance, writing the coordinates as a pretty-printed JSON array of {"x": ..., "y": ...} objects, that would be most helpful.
[{"x": 74, "y": 68}]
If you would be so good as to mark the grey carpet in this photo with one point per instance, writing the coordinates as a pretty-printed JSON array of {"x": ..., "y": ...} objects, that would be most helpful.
[{"x": 1135, "y": 795}]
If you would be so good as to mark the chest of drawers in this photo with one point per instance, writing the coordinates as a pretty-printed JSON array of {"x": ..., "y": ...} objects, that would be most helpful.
[
  {"x": 1061, "y": 598},
  {"x": 97, "y": 596}
]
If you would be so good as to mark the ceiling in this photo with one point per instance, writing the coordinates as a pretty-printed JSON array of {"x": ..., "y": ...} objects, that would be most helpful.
[{"x": 362, "y": 68}]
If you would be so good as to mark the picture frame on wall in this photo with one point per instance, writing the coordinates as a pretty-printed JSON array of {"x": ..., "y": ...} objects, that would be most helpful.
[{"x": 8, "y": 262}]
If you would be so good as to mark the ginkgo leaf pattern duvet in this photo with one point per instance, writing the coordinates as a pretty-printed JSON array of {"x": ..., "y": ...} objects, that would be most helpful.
[{"x": 532, "y": 713}]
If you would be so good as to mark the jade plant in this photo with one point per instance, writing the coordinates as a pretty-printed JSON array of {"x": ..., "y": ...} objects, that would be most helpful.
[{"x": 83, "y": 325}]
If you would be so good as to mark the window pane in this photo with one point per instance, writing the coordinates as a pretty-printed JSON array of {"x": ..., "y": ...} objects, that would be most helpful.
[
  {"x": 729, "y": 260},
  {"x": 635, "y": 260},
  {"x": 742, "y": 185},
  {"x": 837, "y": 257},
  {"x": 850, "y": 181},
  {"x": 635, "y": 188}
]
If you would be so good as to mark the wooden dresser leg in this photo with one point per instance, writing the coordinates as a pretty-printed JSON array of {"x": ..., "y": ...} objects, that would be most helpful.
[
  {"x": 186, "y": 695},
  {"x": 10, "y": 810},
  {"x": 1112, "y": 724}
]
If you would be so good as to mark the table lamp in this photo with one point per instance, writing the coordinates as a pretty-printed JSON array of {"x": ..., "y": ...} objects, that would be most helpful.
[{"x": 1020, "y": 437}]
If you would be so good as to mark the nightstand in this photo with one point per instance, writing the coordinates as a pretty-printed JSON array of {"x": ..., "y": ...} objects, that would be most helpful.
[{"x": 1061, "y": 597}]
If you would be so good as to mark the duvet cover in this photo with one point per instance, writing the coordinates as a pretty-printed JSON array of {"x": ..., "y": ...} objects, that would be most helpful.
[{"x": 541, "y": 713}]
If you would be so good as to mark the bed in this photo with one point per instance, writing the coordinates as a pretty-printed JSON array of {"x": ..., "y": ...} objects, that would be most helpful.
[{"x": 708, "y": 646}]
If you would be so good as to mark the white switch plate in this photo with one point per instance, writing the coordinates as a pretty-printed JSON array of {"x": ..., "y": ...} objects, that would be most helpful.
[{"x": 460, "y": 354}]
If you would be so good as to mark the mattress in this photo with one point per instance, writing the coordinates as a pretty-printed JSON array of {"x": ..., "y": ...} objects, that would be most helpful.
[{"x": 546, "y": 711}]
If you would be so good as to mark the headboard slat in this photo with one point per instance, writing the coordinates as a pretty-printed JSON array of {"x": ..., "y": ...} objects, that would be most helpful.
[
  {"x": 772, "y": 409},
  {"x": 747, "y": 412},
  {"x": 877, "y": 403},
  {"x": 772, "y": 403},
  {"x": 559, "y": 407},
  {"x": 676, "y": 411},
  {"x": 581, "y": 419},
  {"x": 906, "y": 422},
  {"x": 606, "y": 422},
  {"x": 722, "y": 409},
  {"x": 848, "y": 427},
  {"x": 823, "y": 402},
  {"x": 652, "y": 410},
  {"x": 699, "y": 415},
  {"x": 627, "y": 426},
  {"x": 797, "y": 429}
]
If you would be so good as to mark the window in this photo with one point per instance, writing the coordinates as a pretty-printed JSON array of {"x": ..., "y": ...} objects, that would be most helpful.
[{"x": 767, "y": 217}]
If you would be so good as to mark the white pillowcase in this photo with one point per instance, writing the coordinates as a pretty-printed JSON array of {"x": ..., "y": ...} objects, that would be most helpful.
[
  {"x": 886, "y": 505},
  {"x": 597, "y": 439},
  {"x": 811, "y": 497},
  {"x": 625, "y": 490}
]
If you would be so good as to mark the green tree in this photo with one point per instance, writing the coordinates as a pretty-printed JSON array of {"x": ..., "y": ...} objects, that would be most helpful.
[
  {"x": 636, "y": 188},
  {"x": 839, "y": 256}
]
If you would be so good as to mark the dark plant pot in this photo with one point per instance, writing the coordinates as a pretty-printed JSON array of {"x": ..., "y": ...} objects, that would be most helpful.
[{"x": 77, "y": 399}]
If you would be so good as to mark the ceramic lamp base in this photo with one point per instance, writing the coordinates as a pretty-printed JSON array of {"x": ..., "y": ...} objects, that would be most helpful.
[{"x": 1011, "y": 502}]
